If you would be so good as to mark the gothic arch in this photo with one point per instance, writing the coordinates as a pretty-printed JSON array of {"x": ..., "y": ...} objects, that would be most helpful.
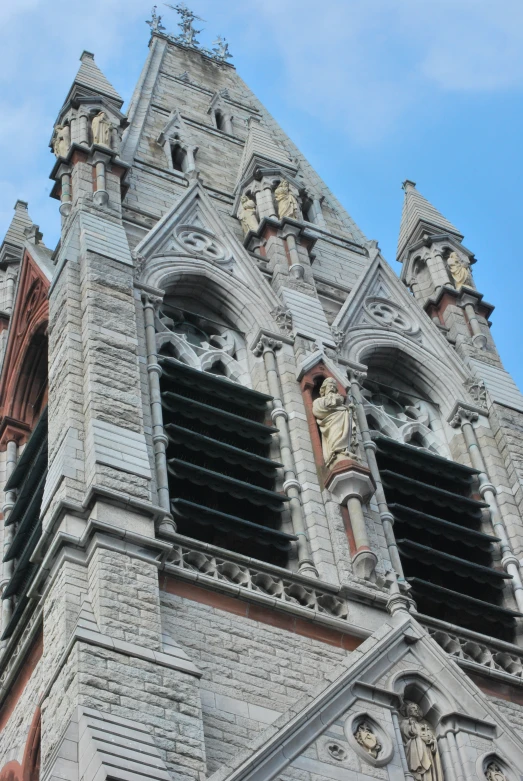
[
  {"x": 213, "y": 286},
  {"x": 391, "y": 351},
  {"x": 413, "y": 685},
  {"x": 29, "y": 770},
  {"x": 23, "y": 390}
]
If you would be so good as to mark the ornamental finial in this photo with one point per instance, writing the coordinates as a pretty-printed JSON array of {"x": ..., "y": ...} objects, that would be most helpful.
[
  {"x": 155, "y": 22},
  {"x": 188, "y": 33},
  {"x": 221, "y": 50}
]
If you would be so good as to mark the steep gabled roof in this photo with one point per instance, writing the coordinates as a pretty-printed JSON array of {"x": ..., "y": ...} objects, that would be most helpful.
[
  {"x": 14, "y": 240},
  {"x": 91, "y": 81},
  {"x": 419, "y": 214}
]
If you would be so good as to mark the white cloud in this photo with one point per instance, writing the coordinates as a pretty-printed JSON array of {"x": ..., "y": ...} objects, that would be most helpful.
[{"x": 366, "y": 62}]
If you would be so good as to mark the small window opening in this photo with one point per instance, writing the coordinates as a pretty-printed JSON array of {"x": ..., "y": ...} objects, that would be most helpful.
[
  {"x": 179, "y": 158},
  {"x": 220, "y": 120}
]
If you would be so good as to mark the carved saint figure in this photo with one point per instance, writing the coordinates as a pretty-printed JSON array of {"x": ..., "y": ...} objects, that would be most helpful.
[
  {"x": 367, "y": 739},
  {"x": 459, "y": 270},
  {"x": 335, "y": 421},
  {"x": 62, "y": 140},
  {"x": 101, "y": 129},
  {"x": 421, "y": 747},
  {"x": 247, "y": 214},
  {"x": 286, "y": 201},
  {"x": 494, "y": 772}
]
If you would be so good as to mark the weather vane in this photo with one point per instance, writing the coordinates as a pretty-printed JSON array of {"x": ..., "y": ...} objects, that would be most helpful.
[
  {"x": 188, "y": 34},
  {"x": 155, "y": 22}
]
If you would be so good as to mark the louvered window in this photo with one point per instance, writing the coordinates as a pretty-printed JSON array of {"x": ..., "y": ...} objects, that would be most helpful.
[
  {"x": 28, "y": 480},
  {"x": 221, "y": 477},
  {"x": 446, "y": 557}
]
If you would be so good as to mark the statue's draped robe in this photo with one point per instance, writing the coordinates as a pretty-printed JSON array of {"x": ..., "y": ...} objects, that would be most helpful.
[
  {"x": 460, "y": 272},
  {"x": 334, "y": 422},
  {"x": 287, "y": 204},
  {"x": 421, "y": 750},
  {"x": 101, "y": 130}
]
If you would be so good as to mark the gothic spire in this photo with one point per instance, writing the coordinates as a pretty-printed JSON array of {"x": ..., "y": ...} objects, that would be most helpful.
[
  {"x": 91, "y": 81},
  {"x": 419, "y": 217},
  {"x": 14, "y": 240}
]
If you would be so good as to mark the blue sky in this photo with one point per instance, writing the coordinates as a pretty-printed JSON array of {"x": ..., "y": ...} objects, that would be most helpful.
[{"x": 372, "y": 91}]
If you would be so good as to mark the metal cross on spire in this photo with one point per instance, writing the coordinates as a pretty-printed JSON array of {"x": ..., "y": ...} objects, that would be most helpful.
[{"x": 188, "y": 34}]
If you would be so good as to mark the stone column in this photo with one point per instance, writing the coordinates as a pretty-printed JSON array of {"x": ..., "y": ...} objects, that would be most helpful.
[
  {"x": 160, "y": 440},
  {"x": 265, "y": 201},
  {"x": 463, "y": 418},
  {"x": 101, "y": 196},
  {"x": 437, "y": 268},
  {"x": 387, "y": 519},
  {"x": 267, "y": 347},
  {"x": 65, "y": 180},
  {"x": 352, "y": 486},
  {"x": 479, "y": 339},
  {"x": 9, "y": 500},
  {"x": 83, "y": 130}
]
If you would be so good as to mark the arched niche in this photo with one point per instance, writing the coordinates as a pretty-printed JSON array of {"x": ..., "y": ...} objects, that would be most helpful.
[
  {"x": 413, "y": 686},
  {"x": 30, "y": 389}
]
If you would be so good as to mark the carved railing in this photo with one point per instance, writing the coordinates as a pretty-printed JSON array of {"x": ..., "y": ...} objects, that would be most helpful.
[
  {"x": 266, "y": 581},
  {"x": 469, "y": 649}
]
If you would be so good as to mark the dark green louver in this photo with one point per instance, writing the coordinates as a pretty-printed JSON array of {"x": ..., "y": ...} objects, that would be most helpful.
[
  {"x": 447, "y": 559},
  {"x": 28, "y": 479},
  {"x": 221, "y": 479}
]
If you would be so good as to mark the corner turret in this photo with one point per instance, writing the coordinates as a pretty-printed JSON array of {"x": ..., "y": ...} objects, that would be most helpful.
[{"x": 437, "y": 270}]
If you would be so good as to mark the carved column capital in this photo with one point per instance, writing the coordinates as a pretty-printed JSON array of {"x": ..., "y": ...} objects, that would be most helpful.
[
  {"x": 266, "y": 344},
  {"x": 149, "y": 300},
  {"x": 357, "y": 376},
  {"x": 462, "y": 414}
]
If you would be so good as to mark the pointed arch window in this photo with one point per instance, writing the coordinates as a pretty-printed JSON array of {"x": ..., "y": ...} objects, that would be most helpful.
[
  {"x": 222, "y": 478},
  {"x": 445, "y": 550}
]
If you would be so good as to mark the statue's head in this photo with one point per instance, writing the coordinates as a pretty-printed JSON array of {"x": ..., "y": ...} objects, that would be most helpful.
[
  {"x": 453, "y": 258},
  {"x": 328, "y": 386},
  {"x": 413, "y": 709}
]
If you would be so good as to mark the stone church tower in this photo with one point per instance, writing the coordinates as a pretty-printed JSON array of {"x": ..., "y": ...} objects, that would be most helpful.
[{"x": 262, "y": 500}]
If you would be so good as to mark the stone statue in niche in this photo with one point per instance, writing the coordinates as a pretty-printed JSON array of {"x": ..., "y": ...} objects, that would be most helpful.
[
  {"x": 62, "y": 140},
  {"x": 336, "y": 423},
  {"x": 101, "y": 129},
  {"x": 286, "y": 201},
  {"x": 421, "y": 747},
  {"x": 367, "y": 739},
  {"x": 494, "y": 772},
  {"x": 247, "y": 214},
  {"x": 459, "y": 269}
]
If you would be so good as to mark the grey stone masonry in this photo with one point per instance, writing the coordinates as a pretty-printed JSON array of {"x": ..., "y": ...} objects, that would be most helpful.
[{"x": 220, "y": 584}]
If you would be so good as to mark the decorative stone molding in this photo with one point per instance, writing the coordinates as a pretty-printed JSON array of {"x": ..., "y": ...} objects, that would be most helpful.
[
  {"x": 283, "y": 317},
  {"x": 478, "y": 391},
  {"x": 201, "y": 565},
  {"x": 390, "y": 315},
  {"x": 368, "y": 739}
]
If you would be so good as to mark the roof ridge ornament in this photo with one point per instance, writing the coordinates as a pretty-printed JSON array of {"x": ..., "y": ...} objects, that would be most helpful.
[
  {"x": 155, "y": 22},
  {"x": 188, "y": 35}
]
